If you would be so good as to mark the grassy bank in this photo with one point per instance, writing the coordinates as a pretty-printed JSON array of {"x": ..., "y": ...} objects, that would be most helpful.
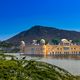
[{"x": 32, "y": 70}]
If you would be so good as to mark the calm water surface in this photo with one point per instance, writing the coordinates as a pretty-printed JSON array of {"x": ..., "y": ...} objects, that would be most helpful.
[{"x": 70, "y": 63}]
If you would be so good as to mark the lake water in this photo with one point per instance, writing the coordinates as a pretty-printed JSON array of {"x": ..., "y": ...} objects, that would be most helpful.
[
  {"x": 72, "y": 66},
  {"x": 69, "y": 63}
]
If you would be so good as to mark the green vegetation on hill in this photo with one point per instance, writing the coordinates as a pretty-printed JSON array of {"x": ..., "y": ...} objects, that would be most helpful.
[
  {"x": 56, "y": 41},
  {"x": 6, "y": 47},
  {"x": 76, "y": 41},
  {"x": 5, "y": 44}
]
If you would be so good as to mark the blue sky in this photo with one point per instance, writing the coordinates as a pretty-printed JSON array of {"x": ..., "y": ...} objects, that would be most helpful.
[{"x": 19, "y": 15}]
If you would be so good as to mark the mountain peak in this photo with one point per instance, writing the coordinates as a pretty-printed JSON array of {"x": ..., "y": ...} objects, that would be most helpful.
[
  {"x": 37, "y": 26},
  {"x": 43, "y": 32},
  {"x": 42, "y": 27}
]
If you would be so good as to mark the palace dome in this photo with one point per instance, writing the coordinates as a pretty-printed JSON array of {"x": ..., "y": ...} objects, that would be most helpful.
[
  {"x": 22, "y": 42},
  {"x": 42, "y": 41},
  {"x": 65, "y": 41}
]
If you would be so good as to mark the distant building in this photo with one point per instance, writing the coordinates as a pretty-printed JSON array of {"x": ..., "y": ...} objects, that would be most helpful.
[{"x": 64, "y": 47}]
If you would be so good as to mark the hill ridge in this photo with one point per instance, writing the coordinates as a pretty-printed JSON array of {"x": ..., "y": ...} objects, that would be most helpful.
[{"x": 48, "y": 33}]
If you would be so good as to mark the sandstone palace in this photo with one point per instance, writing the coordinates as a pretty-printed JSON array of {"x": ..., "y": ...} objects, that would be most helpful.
[{"x": 64, "y": 47}]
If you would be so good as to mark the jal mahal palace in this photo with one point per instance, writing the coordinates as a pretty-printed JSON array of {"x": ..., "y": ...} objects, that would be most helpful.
[{"x": 64, "y": 47}]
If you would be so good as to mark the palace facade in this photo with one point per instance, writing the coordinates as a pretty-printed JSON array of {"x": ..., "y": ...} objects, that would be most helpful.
[{"x": 64, "y": 47}]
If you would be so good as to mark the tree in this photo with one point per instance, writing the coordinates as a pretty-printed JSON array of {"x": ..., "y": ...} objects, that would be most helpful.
[
  {"x": 5, "y": 44},
  {"x": 55, "y": 40},
  {"x": 76, "y": 41}
]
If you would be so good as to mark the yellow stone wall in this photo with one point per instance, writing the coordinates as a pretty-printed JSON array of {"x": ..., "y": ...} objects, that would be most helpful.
[
  {"x": 35, "y": 49},
  {"x": 65, "y": 47},
  {"x": 59, "y": 49},
  {"x": 51, "y": 49}
]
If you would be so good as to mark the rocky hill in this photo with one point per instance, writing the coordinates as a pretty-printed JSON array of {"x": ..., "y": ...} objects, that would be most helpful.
[{"x": 48, "y": 33}]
